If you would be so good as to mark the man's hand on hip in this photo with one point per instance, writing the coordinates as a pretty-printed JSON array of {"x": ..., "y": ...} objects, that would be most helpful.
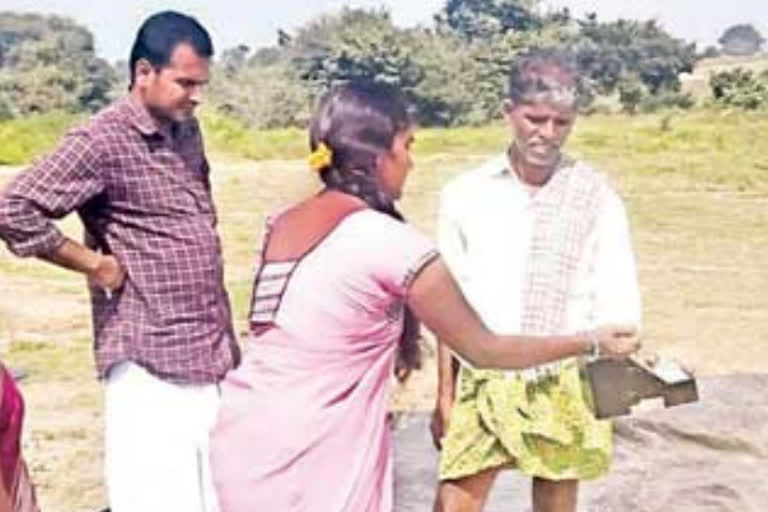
[{"x": 108, "y": 273}]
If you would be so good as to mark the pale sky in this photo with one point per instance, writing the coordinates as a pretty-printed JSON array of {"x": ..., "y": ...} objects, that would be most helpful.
[{"x": 255, "y": 22}]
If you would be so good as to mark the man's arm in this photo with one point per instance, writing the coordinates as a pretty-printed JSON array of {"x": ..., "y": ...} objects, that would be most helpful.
[
  {"x": 54, "y": 187},
  {"x": 103, "y": 269},
  {"x": 453, "y": 249},
  {"x": 447, "y": 371}
]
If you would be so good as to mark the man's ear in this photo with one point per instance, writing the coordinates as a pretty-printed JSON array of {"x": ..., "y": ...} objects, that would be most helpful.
[{"x": 143, "y": 70}]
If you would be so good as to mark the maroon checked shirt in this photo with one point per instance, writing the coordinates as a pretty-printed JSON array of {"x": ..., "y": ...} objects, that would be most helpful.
[{"x": 143, "y": 195}]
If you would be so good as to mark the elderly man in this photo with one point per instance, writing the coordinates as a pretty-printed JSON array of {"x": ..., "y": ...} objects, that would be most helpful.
[{"x": 540, "y": 245}]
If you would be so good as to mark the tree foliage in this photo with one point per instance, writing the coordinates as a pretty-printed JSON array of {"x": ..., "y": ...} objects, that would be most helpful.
[
  {"x": 610, "y": 52},
  {"x": 48, "y": 63},
  {"x": 453, "y": 72},
  {"x": 741, "y": 40},
  {"x": 740, "y": 88},
  {"x": 481, "y": 20}
]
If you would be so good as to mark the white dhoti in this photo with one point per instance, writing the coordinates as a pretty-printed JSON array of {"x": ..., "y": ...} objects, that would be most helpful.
[{"x": 156, "y": 443}]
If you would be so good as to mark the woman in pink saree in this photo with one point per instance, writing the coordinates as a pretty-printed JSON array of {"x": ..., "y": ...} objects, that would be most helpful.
[
  {"x": 16, "y": 491},
  {"x": 342, "y": 280}
]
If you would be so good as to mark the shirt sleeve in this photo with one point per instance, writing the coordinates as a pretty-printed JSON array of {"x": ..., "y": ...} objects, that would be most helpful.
[
  {"x": 451, "y": 239},
  {"x": 617, "y": 293},
  {"x": 52, "y": 188}
]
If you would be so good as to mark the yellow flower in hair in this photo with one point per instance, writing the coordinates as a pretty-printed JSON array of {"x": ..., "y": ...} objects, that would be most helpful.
[{"x": 320, "y": 158}]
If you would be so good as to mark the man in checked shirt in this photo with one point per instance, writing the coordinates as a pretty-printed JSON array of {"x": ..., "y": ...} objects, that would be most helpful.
[{"x": 137, "y": 176}]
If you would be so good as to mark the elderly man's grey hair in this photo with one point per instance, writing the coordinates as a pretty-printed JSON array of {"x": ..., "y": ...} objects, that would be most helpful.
[{"x": 544, "y": 73}]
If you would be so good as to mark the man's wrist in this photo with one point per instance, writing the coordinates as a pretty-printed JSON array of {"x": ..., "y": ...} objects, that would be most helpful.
[
  {"x": 593, "y": 344},
  {"x": 74, "y": 256},
  {"x": 93, "y": 262}
]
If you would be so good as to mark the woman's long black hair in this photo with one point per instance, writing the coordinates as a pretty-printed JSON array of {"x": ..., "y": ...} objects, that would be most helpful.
[{"x": 358, "y": 122}]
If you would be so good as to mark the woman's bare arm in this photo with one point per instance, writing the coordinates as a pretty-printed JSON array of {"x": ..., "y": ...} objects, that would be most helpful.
[{"x": 437, "y": 300}]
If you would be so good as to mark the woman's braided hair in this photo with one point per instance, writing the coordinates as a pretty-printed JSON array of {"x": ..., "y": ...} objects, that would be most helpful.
[{"x": 358, "y": 122}]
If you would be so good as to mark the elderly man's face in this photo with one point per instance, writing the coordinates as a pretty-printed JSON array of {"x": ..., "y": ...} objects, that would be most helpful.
[{"x": 541, "y": 126}]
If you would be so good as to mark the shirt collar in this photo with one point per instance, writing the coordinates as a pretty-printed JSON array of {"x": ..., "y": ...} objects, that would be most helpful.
[
  {"x": 140, "y": 118},
  {"x": 498, "y": 167}
]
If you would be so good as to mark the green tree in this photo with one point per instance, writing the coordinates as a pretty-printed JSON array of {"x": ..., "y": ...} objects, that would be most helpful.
[
  {"x": 233, "y": 59},
  {"x": 608, "y": 52},
  {"x": 453, "y": 74},
  {"x": 487, "y": 19},
  {"x": 429, "y": 68},
  {"x": 632, "y": 92},
  {"x": 49, "y": 63},
  {"x": 494, "y": 32},
  {"x": 741, "y": 40},
  {"x": 356, "y": 43},
  {"x": 270, "y": 96}
]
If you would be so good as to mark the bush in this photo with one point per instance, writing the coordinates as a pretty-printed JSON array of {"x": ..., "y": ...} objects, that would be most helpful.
[
  {"x": 632, "y": 92},
  {"x": 740, "y": 88},
  {"x": 262, "y": 97},
  {"x": 667, "y": 100},
  {"x": 6, "y": 112}
]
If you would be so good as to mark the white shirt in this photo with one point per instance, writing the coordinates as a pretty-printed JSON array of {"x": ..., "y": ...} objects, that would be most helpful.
[{"x": 484, "y": 233}]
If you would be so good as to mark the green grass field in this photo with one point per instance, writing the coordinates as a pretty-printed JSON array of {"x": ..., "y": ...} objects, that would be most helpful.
[
  {"x": 696, "y": 185},
  {"x": 709, "y": 147}
]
